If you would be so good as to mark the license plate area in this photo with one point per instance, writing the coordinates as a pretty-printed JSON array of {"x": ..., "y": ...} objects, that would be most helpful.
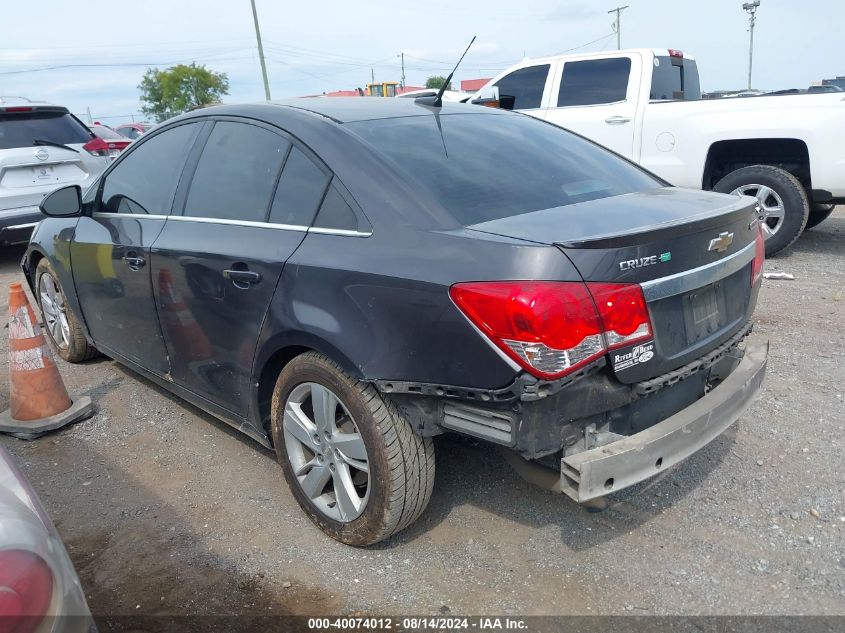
[{"x": 705, "y": 312}]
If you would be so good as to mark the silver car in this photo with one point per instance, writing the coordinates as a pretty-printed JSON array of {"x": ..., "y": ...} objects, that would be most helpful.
[
  {"x": 42, "y": 147},
  {"x": 39, "y": 588}
]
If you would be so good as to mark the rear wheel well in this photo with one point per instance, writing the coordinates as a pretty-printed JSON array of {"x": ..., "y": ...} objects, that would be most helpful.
[
  {"x": 788, "y": 154},
  {"x": 267, "y": 380}
]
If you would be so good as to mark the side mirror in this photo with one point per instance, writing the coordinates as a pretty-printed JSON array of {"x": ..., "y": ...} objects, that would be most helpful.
[
  {"x": 63, "y": 203},
  {"x": 491, "y": 98}
]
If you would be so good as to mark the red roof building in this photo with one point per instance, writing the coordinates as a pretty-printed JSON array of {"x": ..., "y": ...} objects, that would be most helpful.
[{"x": 473, "y": 85}]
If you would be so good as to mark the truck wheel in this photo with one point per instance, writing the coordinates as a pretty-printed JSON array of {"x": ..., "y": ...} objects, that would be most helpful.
[
  {"x": 352, "y": 461},
  {"x": 62, "y": 327},
  {"x": 818, "y": 214},
  {"x": 784, "y": 207}
]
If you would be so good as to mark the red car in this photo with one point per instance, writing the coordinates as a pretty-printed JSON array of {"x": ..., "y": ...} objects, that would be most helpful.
[
  {"x": 111, "y": 143},
  {"x": 134, "y": 130}
]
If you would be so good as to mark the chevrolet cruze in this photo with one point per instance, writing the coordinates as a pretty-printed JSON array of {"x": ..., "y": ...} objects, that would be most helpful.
[{"x": 343, "y": 279}]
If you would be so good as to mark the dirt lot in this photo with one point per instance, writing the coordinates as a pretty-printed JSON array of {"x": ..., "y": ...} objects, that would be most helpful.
[{"x": 167, "y": 511}]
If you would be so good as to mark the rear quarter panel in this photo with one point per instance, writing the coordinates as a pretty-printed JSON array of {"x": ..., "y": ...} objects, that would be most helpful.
[
  {"x": 381, "y": 307},
  {"x": 677, "y": 135}
]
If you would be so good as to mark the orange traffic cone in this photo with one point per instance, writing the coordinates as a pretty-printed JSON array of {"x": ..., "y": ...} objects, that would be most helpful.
[
  {"x": 39, "y": 401},
  {"x": 180, "y": 322}
]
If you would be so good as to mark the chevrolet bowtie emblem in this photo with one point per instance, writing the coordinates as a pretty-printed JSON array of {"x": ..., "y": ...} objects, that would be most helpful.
[{"x": 720, "y": 244}]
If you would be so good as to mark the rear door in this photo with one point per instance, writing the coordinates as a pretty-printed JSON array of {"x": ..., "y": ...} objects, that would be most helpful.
[
  {"x": 110, "y": 251},
  {"x": 216, "y": 264},
  {"x": 598, "y": 99}
]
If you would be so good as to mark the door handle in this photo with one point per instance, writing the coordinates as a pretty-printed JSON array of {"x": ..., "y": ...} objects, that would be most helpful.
[
  {"x": 242, "y": 279},
  {"x": 617, "y": 120},
  {"x": 134, "y": 261}
]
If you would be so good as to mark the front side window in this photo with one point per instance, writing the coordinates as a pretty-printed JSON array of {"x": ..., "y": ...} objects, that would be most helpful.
[
  {"x": 525, "y": 85},
  {"x": 236, "y": 173},
  {"x": 594, "y": 81},
  {"x": 145, "y": 179},
  {"x": 300, "y": 191}
]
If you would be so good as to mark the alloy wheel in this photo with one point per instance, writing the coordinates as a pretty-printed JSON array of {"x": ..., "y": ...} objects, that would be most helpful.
[
  {"x": 326, "y": 452},
  {"x": 54, "y": 310},
  {"x": 771, "y": 206}
]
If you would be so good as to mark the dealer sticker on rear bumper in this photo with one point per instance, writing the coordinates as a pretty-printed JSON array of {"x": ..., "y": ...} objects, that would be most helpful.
[{"x": 640, "y": 354}]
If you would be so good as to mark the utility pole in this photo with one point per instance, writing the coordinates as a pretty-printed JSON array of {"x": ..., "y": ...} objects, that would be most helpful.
[
  {"x": 260, "y": 52},
  {"x": 402, "y": 82},
  {"x": 88, "y": 112},
  {"x": 617, "y": 25},
  {"x": 751, "y": 9}
]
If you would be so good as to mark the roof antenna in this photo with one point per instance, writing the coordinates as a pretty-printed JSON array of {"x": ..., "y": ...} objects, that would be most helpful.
[{"x": 438, "y": 99}]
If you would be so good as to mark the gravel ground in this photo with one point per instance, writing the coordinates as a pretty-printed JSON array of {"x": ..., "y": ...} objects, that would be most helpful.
[{"x": 167, "y": 511}]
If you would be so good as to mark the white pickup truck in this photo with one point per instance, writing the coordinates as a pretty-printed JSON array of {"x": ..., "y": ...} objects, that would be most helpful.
[{"x": 645, "y": 104}]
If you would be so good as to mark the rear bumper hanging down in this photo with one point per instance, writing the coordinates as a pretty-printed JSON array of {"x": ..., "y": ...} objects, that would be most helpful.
[{"x": 611, "y": 467}]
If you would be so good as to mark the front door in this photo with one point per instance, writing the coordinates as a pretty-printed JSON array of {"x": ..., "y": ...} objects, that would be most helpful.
[
  {"x": 110, "y": 251},
  {"x": 218, "y": 259}
]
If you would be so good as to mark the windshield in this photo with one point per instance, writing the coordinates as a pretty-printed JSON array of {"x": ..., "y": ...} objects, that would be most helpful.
[
  {"x": 21, "y": 129},
  {"x": 483, "y": 167},
  {"x": 674, "y": 78}
]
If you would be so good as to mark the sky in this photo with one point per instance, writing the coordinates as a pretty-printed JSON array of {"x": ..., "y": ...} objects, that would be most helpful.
[{"x": 91, "y": 54}]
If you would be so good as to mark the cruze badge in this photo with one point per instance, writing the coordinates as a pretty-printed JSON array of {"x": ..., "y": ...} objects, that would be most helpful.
[
  {"x": 640, "y": 262},
  {"x": 720, "y": 244}
]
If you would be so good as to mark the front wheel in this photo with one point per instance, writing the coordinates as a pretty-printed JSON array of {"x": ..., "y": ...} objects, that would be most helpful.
[
  {"x": 783, "y": 203},
  {"x": 352, "y": 461},
  {"x": 61, "y": 325}
]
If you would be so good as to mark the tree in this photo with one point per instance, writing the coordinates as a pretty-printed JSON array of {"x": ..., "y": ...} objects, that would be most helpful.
[
  {"x": 166, "y": 93},
  {"x": 437, "y": 82}
]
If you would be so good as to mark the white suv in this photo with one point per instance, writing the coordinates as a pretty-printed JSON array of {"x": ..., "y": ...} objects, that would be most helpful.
[{"x": 42, "y": 147}]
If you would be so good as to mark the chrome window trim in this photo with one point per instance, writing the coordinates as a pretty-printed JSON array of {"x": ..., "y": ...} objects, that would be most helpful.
[
  {"x": 268, "y": 225},
  {"x": 109, "y": 214},
  {"x": 697, "y": 277},
  {"x": 21, "y": 226},
  {"x": 343, "y": 232}
]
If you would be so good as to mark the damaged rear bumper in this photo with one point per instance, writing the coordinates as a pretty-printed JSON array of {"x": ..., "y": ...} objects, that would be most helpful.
[{"x": 617, "y": 465}]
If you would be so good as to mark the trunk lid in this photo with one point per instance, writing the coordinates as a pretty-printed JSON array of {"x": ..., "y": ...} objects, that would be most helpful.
[{"x": 691, "y": 251}]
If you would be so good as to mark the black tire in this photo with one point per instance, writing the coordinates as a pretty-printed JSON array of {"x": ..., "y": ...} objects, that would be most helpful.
[
  {"x": 77, "y": 348},
  {"x": 401, "y": 463},
  {"x": 795, "y": 204},
  {"x": 818, "y": 214}
]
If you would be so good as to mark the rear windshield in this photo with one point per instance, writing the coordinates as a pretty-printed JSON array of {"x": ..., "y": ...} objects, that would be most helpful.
[
  {"x": 107, "y": 133},
  {"x": 482, "y": 167},
  {"x": 674, "y": 78},
  {"x": 21, "y": 129}
]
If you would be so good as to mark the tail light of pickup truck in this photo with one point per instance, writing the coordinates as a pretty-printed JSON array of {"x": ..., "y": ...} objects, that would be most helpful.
[
  {"x": 759, "y": 256},
  {"x": 553, "y": 328}
]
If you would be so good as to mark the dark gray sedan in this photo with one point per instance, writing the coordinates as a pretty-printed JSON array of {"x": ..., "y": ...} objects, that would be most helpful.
[{"x": 343, "y": 279}]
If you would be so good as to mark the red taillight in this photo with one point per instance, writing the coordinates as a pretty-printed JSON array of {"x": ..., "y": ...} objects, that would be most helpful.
[
  {"x": 26, "y": 589},
  {"x": 623, "y": 313},
  {"x": 759, "y": 255},
  {"x": 17, "y": 109},
  {"x": 675, "y": 53},
  {"x": 552, "y": 328},
  {"x": 97, "y": 147}
]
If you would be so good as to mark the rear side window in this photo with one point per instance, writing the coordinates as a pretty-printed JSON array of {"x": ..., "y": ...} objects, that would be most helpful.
[
  {"x": 145, "y": 179},
  {"x": 335, "y": 213},
  {"x": 525, "y": 86},
  {"x": 594, "y": 81},
  {"x": 674, "y": 78},
  {"x": 22, "y": 129},
  {"x": 236, "y": 173},
  {"x": 300, "y": 191}
]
